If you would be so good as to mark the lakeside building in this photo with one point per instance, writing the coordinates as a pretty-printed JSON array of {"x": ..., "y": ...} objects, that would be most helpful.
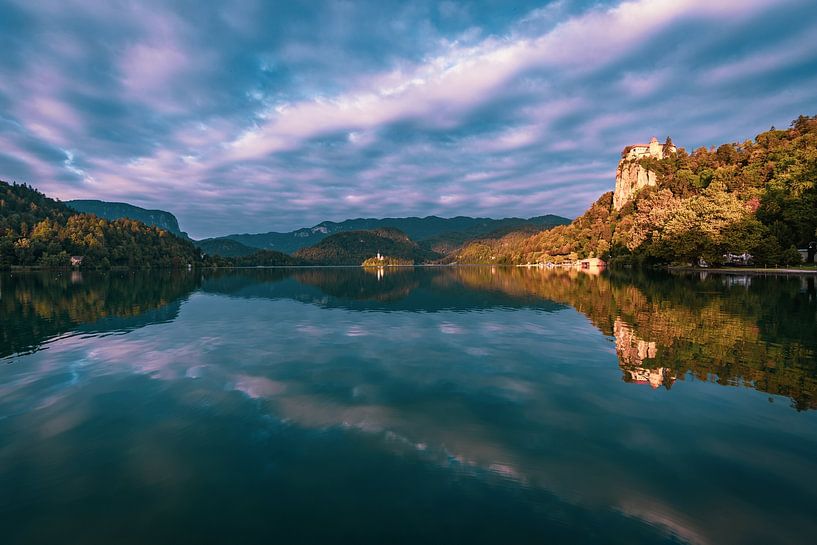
[
  {"x": 807, "y": 254},
  {"x": 591, "y": 265},
  {"x": 738, "y": 259}
]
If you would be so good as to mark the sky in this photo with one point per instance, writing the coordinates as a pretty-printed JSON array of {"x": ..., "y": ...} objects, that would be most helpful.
[{"x": 253, "y": 116}]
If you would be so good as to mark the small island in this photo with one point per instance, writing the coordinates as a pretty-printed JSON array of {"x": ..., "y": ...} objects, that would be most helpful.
[{"x": 386, "y": 261}]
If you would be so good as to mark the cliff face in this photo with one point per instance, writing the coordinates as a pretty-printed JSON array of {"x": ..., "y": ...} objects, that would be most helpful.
[{"x": 631, "y": 177}]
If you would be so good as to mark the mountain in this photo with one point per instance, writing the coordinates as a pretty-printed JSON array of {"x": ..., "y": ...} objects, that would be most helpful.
[
  {"x": 432, "y": 232},
  {"x": 674, "y": 207},
  {"x": 354, "y": 247},
  {"x": 117, "y": 210},
  {"x": 225, "y": 247},
  {"x": 39, "y": 231}
]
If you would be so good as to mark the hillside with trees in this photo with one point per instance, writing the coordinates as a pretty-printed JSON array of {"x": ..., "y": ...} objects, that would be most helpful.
[
  {"x": 119, "y": 210},
  {"x": 759, "y": 196},
  {"x": 261, "y": 258},
  {"x": 387, "y": 261},
  {"x": 225, "y": 247},
  {"x": 37, "y": 231},
  {"x": 355, "y": 247}
]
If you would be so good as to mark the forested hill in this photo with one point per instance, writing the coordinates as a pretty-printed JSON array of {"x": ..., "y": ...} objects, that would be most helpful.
[
  {"x": 758, "y": 196},
  {"x": 38, "y": 231},
  {"x": 432, "y": 232},
  {"x": 225, "y": 247},
  {"x": 119, "y": 210},
  {"x": 354, "y": 247}
]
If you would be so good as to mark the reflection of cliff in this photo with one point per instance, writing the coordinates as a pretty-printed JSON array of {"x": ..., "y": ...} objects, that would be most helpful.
[
  {"x": 35, "y": 307},
  {"x": 632, "y": 352}
]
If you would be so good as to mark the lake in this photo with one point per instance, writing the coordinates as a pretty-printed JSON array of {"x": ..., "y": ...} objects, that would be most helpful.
[{"x": 427, "y": 405}]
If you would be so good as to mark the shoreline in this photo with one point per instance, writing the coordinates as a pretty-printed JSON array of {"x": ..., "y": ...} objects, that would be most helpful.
[
  {"x": 719, "y": 270},
  {"x": 758, "y": 271}
]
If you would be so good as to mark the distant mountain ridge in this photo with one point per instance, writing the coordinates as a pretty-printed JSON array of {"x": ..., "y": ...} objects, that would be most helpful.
[
  {"x": 431, "y": 232},
  {"x": 117, "y": 210}
]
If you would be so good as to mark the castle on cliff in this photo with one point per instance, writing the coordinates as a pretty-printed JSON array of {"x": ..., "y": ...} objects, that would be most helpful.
[
  {"x": 653, "y": 149},
  {"x": 631, "y": 177}
]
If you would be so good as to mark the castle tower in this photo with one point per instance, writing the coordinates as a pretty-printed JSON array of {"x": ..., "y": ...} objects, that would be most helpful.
[{"x": 656, "y": 149}]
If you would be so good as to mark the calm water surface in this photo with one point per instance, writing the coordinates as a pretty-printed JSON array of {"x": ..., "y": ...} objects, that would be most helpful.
[{"x": 448, "y": 405}]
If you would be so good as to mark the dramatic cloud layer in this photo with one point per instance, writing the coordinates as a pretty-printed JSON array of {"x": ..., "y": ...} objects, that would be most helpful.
[{"x": 258, "y": 116}]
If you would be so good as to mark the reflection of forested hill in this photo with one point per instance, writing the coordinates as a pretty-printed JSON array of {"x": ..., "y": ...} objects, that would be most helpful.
[
  {"x": 425, "y": 289},
  {"x": 760, "y": 333},
  {"x": 37, "y": 306}
]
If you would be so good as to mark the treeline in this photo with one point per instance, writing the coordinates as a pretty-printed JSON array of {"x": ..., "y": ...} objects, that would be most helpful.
[
  {"x": 36, "y": 231},
  {"x": 757, "y": 196},
  {"x": 386, "y": 261},
  {"x": 261, "y": 258}
]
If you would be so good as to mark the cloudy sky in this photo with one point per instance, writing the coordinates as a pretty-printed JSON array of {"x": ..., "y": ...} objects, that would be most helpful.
[{"x": 258, "y": 115}]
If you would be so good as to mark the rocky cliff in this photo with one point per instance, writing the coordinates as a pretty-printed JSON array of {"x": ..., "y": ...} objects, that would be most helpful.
[{"x": 631, "y": 177}]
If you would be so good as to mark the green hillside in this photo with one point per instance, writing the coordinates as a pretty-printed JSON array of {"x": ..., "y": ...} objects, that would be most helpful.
[
  {"x": 354, "y": 247},
  {"x": 118, "y": 210},
  {"x": 41, "y": 232},
  {"x": 260, "y": 258},
  {"x": 224, "y": 247}
]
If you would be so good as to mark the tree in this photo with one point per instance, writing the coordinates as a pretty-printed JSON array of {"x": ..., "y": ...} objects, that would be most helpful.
[{"x": 790, "y": 256}]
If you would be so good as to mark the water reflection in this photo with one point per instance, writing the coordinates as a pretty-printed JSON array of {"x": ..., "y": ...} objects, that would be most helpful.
[
  {"x": 35, "y": 307},
  {"x": 732, "y": 330},
  {"x": 634, "y": 353},
  {"x": 465, "y": 402},
  {"x": 719, "y": 328},
  {"x": 761, "y": 334}
]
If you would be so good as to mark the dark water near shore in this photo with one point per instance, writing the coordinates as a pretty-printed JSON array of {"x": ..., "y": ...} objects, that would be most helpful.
[{"x": 439, "y": 405}]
